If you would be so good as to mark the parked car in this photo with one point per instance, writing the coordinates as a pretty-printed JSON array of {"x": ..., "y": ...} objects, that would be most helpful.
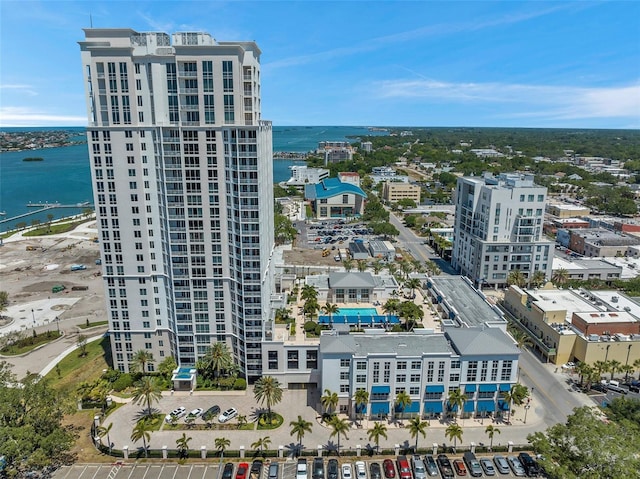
[
  {"x": 301, "y": 469},
  {"x": 445, "y": 466},
  {"x": 501, "y": 464},
  {"x": 227, "y": 472},
  {"x": 529, "y": 464},
  {"x": 361, "y": 470},
  {"x": 243, "y": 468},
  {"x": 212, "y": 412},
  {"x": 228, "y": 415},
  {"x": 375, "y": 471},
  {"x": 389, "y": 469},
  {"x": 177, "y": 413},
  {"x": 430, "y": 464},
  {"x": 487, "y": 466},
  {"x": 274, "y": 467},
  {"x": 459, "y": 467},
  {"x": 317, "y": 470},
  {"x": 332, "y": 469},
  {"x": 474, "y": 467},
  {"x": 256, "y": 470},
  {"x": 195, "y": 413},
  {"x": 419, "y": 469},
  {"x": 516, "y": 466},
  {"x": 404, "y": 471},
  {"x": 346, "y": 471}
]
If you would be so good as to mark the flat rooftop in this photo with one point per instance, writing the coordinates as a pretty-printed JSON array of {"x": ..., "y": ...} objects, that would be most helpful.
[
  {"x": 469, "y": 304},
  {"x": 562, "y": 300},
  {"x": 607, "y": 317},
  {"x": 617, "y": 301},
  {"x": 400, "y": 344},
  {"x": 582, "y": 264}
]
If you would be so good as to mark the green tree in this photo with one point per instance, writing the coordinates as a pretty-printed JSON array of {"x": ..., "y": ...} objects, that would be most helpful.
[
  {"x": 283, "y": 229},
  {"x": 216, "y": 359},
  {"x": 267, "y": 390},
  {"x": 81, "y": 342},
  {"x": 586, "y": 447},
  {"x": 376, "y": 432},
  {"x": 140, "y": 360},
  {"x": 402, "y": 402},
  {"x": 299, "y": 428},
  {"x": 517, "y": 277},
  {"x": 456, "y": 401},
  {"x": 491, "y": 431},
  {"x": 4, "y": 302},
  {"x": 147, "y": 390},
  {"x": 261, "y": 444},
  {"x": 221, "y": 444},
  {"x": 384, "y": 229},
  {"x": 167, "y": 366},
  {"x": 636, "y": 365},
  {"x": 182, "y": 444},
  {"x": 142, "y": 430},
  {"x": 339, "y": 427},
  {"x": 453, "y": 432},
  {"x": 329, "y": 401},
  {"x": 361, "y": 399},
  {"x": 417, "y": 427},
  {"x": 49, "y": 220}
]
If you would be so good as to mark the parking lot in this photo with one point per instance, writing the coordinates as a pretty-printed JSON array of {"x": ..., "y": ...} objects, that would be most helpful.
[{"x": 287, "y": 470}]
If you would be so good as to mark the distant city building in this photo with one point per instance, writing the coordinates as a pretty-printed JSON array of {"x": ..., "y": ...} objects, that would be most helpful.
[
  {"x": 498, "y": 228},
  {"x": 586, "y": 269},
  {"x": 334, "y": 151},
  {"x": 331, "y": 198},
  {"x": 486, "y": 153},
  {"x": 563, "y": 211},
  {"x": 366, "y": 146},
  {"x": 182, "y": 177},
  {"x": 599, "y": 242},
  {"x": 394, "y": 191},
  {"x": 383, "y": 171}
]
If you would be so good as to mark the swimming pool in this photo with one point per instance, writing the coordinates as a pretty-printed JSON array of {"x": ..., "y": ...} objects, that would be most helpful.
[
  {"x": 359, "y": 316},
  {"x": 357, "y": 311}
]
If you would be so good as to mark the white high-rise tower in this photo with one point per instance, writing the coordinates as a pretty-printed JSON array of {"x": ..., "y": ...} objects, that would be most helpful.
[{"x": 182, "y": 172}]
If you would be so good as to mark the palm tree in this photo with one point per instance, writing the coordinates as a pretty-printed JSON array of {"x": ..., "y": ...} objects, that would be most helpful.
[
  {"x": 104, "y": 431},
  {"x": 267, "y": 390},
  {"x": 377, "y": 266},
  {"x": 417, "y": 427},
  {"x": 142, "y": 430},
  {"x": 402, "y": 402},
  {"x": 626, "y": 369},
  {"x": 347, "y": 264},
  {"x": 261, "y": 444},
  {"x": 309, "y": 292},
  {"x": 182, "y": 444},
  {"x": 330, "y": 309},
  {"x": 140, "y": 360},
  {"x": 361, "y": 399},
  {"x": 391, "y": 307},
  {"x": 222, "y": 443},
  {"x": 216, "y": 359},
  {"x": 147, "y": 390},
  {"x": 310, "y": 307},
  {"x": 361, "y": 265},
  {"x": 600, "y": 367},
  {"x": 339, "y": 427},
  {"x": 636, "y": 365},
  {"x": 299, "y": 428},
  {"x": 406, "y": 267},
  {"x": 538, "y": 278},
  {"x": 521, "y": 338},
  {"x": 614, "y": 366},
  {"x": 242, "y": 420},
  {"x": 560, "y": 276},
  {"x": 517, "y": 278},
  {"x": 329, "y": 401},
  {"x": 456, "y": 400},
  {"x": 491, "y": 430},
  {"x": 453, "y": 433},
  {"x": 378, "y": 430},
  {"x": 584, "y": 370},
  {"x": 412, "y": 284},
  {"x": 508, "y": 399}
]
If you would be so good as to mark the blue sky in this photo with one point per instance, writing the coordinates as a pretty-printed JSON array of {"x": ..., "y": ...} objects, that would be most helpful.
[{"x": 401, "y": 63}]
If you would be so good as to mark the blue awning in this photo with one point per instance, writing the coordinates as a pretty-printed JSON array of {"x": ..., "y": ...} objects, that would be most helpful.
[
  {"x": 435, "y": 389},
  {"x": 380, "y": 389},
  {"x": 469, "y": 406},
  {"x": 413, "y": 407},
  {"x": 505, "y": 387},
  {"x": 488, "y": 388},
  {"x": 486, "y": 406},
  {"x": 503, "y": 405},
  {"x": 379, "y": 408},
  {"x": 433, "y": 407},
  {"x": 470, "y": 388}
]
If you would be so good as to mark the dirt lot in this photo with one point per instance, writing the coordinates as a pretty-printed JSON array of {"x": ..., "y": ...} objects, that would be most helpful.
[
  {"x": 28, "y": 276},
  {"x": 310, "y": 257}
]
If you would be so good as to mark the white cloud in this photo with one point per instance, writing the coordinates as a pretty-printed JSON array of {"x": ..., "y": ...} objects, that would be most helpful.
[
  {"x": 27, "y": 89},
  {"x": 554, "y": 102},
  {"x": 22, "y": 116}
]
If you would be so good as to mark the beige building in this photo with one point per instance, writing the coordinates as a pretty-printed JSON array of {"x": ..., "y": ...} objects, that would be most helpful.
[
  {"x": 567, "y": 211},
  {"x": 394, "y": 191},
  {"x": 583, "y": 326}
]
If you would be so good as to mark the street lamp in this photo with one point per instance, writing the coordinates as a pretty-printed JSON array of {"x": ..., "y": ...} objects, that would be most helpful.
[
  {"x": 58, "y": 323},
  {"x": 526, "y": 410}
]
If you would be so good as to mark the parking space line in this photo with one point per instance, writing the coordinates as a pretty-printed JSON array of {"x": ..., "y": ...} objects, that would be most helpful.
[{"x": 153, "y": 466}]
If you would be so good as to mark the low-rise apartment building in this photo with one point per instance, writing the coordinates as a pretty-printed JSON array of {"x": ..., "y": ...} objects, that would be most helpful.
[{"x": 394, "y": 191}]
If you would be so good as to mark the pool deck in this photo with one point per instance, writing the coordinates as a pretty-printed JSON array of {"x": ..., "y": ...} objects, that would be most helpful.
[{"x": 431, "y": 320}]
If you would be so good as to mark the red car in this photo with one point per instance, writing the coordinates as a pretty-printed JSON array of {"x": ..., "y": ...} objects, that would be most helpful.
[
  {"x": 459, "y": 467},
  {"x": 389, "y": 470},
  {"x": 241, "y": 473}
]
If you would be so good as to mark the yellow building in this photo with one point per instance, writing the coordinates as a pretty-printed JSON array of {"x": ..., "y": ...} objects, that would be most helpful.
[
  {"x": 394, "y": 191},
  {"x": 561, "y": 322}
]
